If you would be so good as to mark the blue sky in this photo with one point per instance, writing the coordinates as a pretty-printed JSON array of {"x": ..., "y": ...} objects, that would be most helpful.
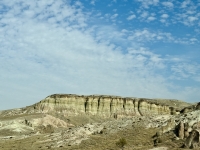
[{"x": 133, "y": 48}]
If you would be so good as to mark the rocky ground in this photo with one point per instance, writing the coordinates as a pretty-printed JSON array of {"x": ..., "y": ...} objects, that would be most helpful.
[{"x": 22, "y": 129}]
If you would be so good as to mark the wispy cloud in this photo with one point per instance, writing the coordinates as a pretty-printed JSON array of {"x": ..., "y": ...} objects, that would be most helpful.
[
  {"x": 187, "y": 19},
  {"x": 144, "y": 14},
  {"x": 114, "y": 16},
  {"x": 147, "y": 35},
  {"x": 176, "y": 10},
  {"x": 151, "y": 18},
  {"x": 131, "y": 17},
  {"x": 92, "y": 2},
  {"x": 164, "y": 16},
  {"x": 148, "y": 3},
  {"x": 185, "y": 3},
  {"x": 168, "y": 4},
  {"x": 186, "y": 70}
]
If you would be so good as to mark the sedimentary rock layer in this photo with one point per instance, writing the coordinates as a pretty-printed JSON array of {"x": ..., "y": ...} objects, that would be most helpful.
[{"x": 106, "y": 106}]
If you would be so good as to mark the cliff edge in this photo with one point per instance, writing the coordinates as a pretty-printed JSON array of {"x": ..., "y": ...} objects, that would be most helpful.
[{"x": 104, "y": 105}]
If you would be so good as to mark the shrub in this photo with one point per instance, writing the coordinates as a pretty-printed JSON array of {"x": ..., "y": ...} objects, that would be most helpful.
[{"x": 121, "y": 143}]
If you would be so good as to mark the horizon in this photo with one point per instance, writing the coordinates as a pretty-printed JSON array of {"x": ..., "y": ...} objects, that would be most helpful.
[{"x": 139, "y": 48}]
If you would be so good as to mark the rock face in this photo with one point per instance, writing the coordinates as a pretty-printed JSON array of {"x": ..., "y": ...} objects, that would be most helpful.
[
  {"x": 193, "y": 140},
  {"x": 106, "y": 106}
]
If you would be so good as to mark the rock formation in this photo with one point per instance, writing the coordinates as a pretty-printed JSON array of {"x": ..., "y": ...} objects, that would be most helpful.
[
  {"x": 191, "y": 108},
  {"x": 106, "y": 106},
  {"x": 193, "y": 140},
  {"x": 97, "y": 121},
  {"x": 181, "y": 130},
  {"x": 169, "y": 126}
]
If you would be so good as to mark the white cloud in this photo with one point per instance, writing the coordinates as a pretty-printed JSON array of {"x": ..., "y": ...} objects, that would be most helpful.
[
  {"x": 148, "y": 3},
  {"x": 194, "y": 40},
  {"x": 192, "y": 19},
  {"x": 146, "y": 35},
  {"x": 143, "y": 35},
  {"x": 168, "y": 4},
  {"x": 190, "y": 12},
  {"x": 131, "y": 17},
  {"x": 164, "y": 21},
  {"x": 185, "y": 3},
  {"x": 114, "y": 16},
  {"x": 93, "y": 2},
  {"x": 186, "y": 70},
  {"x": 151, "y": 18},
  {"x": 186, "y": 19},
  {"x": 165, "y": 16},
  {"x": 144, "y": 14}
]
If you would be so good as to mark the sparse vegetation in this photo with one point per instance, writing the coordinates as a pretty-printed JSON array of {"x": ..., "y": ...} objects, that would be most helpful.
[
  {"x": 121, "y": 143},
  {"x": 58, "y": 131}
]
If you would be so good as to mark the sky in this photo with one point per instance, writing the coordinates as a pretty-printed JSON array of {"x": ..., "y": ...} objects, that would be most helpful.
[{"x": 129, "y": 48}]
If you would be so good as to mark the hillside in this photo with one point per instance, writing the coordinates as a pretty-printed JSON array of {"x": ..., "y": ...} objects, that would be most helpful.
[{"x": 68, "y": 121}]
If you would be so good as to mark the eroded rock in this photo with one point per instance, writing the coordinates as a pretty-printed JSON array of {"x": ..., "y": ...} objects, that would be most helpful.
[
  {"x": 181, "y": 130},
  {"x": 106, "y": 106},
  {"x": 193, "y": 140}
]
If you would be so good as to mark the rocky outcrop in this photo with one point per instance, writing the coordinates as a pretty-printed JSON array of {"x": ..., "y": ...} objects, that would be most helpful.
[
  {"x": 107, "y": 106},
  {"x": 191, "y": 108},
  {"x": 193, "y": 140},
  {"x": 183, "y": 130},
  {"x": 169, "y": 126}
]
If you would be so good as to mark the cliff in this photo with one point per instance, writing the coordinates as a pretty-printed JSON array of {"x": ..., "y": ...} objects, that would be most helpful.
[{"x": 106, "y": 106}]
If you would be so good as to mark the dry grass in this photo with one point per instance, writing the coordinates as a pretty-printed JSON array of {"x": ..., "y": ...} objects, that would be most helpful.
[{"x": 137, "y": 139}]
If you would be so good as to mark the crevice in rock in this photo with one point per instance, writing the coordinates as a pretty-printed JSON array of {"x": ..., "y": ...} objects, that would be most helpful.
[
  {"x": 139, "y": 101},
  {"x": 111, "y": 107},
  {"x": 124, "y": 103},
  {"x": 98, "y": 105},
  {"x": 86, "y": 103}
]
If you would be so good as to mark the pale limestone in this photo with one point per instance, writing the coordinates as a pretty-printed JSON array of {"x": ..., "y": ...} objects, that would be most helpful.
[{"x": 105, "y": 106}]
